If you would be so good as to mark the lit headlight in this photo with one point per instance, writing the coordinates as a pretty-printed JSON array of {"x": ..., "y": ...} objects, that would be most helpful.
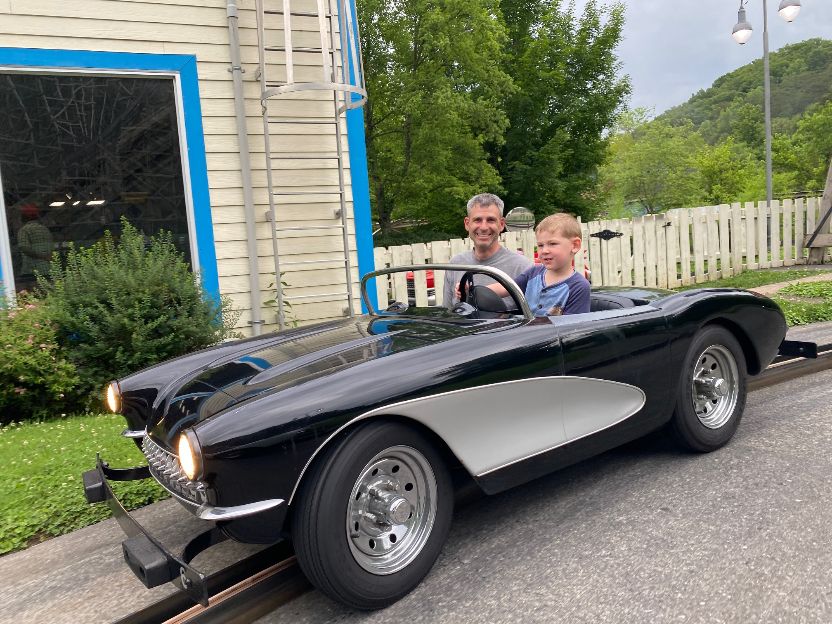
[
  {"x": 114, "y": 397},
  {"x": 190, "y": 456}
]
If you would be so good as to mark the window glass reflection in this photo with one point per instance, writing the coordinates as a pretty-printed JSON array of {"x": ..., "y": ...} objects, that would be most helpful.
[{"x": 77, "y": 153}]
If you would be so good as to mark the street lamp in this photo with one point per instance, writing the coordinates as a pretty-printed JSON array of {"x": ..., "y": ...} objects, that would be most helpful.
[{"x": 788, "y": 10}]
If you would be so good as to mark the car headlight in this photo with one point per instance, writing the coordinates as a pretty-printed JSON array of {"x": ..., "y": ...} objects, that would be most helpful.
[
  {"x": 190, "y": 455},
  {"x": 113, "y": 397}
]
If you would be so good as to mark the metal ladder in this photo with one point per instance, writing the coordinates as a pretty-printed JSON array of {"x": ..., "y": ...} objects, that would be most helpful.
[{"x": 343, "y": 75}]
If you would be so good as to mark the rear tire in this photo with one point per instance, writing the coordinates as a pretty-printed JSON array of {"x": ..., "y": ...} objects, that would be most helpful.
[
  {"x": 372, "y": 515},
  {"x": 712, "y": 391}
]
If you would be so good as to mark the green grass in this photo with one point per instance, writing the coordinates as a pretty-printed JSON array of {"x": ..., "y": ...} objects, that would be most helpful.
[
  {"x": 41, "y": 492},
  {"x": 806, "y": 303},
  {"x": 752, "y": 279}
]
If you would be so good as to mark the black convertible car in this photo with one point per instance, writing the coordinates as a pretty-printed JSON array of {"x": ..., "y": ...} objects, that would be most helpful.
[{"x": 348, "y": 436}]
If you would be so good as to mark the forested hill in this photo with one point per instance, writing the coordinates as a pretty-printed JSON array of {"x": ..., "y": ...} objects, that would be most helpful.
[{"x": 801, "y": 75}]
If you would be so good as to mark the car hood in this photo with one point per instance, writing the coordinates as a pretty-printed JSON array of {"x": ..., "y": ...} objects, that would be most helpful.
[{"x": 311, "y": 355}]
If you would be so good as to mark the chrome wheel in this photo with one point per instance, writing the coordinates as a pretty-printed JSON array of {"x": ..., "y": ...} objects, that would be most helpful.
[
  {"x": 715, "y": 386},
  {"x": 391, "y": 510}
]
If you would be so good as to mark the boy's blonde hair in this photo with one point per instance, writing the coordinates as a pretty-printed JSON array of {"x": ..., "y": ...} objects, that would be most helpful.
[{"x": 561, "y": 224}]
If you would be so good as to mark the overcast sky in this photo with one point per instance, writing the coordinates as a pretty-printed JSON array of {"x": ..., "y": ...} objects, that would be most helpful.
[{"x": 673, "y": 48}]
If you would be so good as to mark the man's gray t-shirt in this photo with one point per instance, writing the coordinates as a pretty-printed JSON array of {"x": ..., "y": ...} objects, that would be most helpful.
[{"x": 509, "y": 262}]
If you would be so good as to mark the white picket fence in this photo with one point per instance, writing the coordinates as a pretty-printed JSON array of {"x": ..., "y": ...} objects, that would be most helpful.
[{"x": 679, "y": 247}]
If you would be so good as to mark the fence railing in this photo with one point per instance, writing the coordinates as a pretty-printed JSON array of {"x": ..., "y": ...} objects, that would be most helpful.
[{"x": 680, "y": 247}]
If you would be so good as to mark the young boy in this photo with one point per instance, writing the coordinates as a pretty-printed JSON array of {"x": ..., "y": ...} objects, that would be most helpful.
[{"x": 553, "y": 287}]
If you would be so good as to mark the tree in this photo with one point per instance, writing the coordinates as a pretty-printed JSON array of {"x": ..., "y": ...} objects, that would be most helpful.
[
  {"x": 656, "y": 166},
  {"x": 724, "y": 171},
  {"x": 811, "y": 147},
  {"x": 435, "y": 92},
  {"x": 568, "y": 95}
]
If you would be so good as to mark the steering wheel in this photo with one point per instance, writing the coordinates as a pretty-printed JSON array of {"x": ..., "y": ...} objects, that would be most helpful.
[{"x": 480, "y": 297}]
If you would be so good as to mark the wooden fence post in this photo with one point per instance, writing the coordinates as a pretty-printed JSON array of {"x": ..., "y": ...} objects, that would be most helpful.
[
  {"x": 724, "y": 212},
  {"x": 737, "y": 234}
]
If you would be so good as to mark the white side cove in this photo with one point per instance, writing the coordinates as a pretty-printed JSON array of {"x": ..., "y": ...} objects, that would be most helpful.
[{"x": 490, "y": 427}]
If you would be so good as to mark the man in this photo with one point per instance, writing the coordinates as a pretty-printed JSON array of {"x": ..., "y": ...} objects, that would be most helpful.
[
  {"x": 34, "y": 240},
  {"x": 484, "y": 223}
]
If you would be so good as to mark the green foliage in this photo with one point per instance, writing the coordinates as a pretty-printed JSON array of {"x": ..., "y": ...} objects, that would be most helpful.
[
  {"x": 810, "y": 302},
  {"x": 809, "y": 289},
  {"x": 467, "y": 96},
  {"x": 412, "y": 235},
  {"x": 801, "y": 76},
  {"x": 724, "y": 171},
  {"x": 568, "y": 93},
  {"x": 710, "y": 150},
  {"x": 119, "y": 306},
  {"x": 35, "y": 378},
  {"x": 435, "y": 91},
  {"x": 656, "y": 165},
  {"x": 41, "y": 494},
  {"x": 809, "y": 150}
]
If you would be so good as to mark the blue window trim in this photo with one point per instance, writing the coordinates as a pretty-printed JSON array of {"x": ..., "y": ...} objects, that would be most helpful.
[
  {"x": 362, "y": 216},
  {"x": 185, "y": 66}
]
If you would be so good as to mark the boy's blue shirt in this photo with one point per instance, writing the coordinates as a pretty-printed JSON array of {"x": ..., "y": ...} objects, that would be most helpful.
[{"x": 570, "y": 296}]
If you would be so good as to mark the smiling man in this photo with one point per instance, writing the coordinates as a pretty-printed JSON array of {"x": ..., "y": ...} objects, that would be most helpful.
[{"x": 484, "y": 223}]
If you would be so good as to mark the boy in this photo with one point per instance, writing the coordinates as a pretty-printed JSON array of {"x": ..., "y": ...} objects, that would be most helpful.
[{"x": 553, "y": 287}]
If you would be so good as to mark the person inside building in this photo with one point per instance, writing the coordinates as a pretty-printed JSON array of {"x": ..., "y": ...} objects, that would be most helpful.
[
  {"x": 484, "y": 223},
  {"x": 34, "y": 241}
]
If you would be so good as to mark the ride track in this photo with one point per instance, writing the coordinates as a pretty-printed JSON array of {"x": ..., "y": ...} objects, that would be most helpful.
[{"x": 255, "y": 586}]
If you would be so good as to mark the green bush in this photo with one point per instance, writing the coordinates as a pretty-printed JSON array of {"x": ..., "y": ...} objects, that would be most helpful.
[
  {"x": 120, "y": 306},
  {"x": 35, "y": 379}
]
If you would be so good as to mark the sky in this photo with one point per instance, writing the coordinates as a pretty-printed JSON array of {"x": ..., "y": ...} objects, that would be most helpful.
[{"x": 673, "y": 48}]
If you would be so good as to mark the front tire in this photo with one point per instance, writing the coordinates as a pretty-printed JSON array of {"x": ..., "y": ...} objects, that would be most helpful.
[
  {"x": 373, "y": 514},
  {"x": 712, "y": 391}
]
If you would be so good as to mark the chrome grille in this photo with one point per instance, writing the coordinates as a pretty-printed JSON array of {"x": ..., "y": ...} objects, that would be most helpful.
[{"x": 165, "y": 467}]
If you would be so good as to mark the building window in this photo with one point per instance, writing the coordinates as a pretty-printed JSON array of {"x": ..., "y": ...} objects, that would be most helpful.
[{"x": 77, "y": 153}]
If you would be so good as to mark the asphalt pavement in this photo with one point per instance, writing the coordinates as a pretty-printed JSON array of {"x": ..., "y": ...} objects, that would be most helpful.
[{"x": 645, "y": 533}]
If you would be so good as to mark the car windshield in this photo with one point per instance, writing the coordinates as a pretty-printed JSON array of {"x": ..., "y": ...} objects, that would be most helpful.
[{"x": 433, "y": 291}]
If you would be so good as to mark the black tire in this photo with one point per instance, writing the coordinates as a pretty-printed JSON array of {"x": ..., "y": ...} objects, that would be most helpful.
[
  {"x": 704, "y": 419},
  {"x": 343, "y": 565}
]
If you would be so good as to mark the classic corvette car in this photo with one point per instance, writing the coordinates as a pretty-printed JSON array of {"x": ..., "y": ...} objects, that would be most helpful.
[{"x": 348, "y": 436}]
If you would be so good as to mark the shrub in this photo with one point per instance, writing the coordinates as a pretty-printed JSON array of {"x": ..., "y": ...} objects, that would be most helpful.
[
  {"x": 120, "y": 306},
  {"x": 35, "y": 379}
]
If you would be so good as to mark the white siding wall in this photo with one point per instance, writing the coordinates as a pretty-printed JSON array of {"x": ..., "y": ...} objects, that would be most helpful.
[{"x": 199, "y": 27}]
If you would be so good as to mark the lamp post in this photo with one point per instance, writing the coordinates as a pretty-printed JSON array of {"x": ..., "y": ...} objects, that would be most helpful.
[{"x": 788, "y": 10}]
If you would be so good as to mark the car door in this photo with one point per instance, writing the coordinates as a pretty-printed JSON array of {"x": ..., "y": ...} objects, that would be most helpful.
[{"x": 629, "y": 350}]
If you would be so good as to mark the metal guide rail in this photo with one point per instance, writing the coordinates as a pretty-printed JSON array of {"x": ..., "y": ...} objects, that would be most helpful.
[{"x": 271, "y": 578}]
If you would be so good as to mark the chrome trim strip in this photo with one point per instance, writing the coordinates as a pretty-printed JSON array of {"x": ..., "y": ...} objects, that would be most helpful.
[
  {"x": 570, "y": 419},
  {"x": 209, "y": 512},
  {"x": 134, "y": 434}
]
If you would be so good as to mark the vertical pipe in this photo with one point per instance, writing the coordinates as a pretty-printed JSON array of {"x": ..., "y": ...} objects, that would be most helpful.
[
  {"x": 245, "y": 167},
  {"x": 767, "y": 104},
  {"x": 261, "y": 55},
  {"x": 336, "y": 94}
]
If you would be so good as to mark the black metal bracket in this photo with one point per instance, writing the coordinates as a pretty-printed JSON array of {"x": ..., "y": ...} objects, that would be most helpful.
[
  {"x": 796, "y": 348},
  {"x": 607, "y": 234}
]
